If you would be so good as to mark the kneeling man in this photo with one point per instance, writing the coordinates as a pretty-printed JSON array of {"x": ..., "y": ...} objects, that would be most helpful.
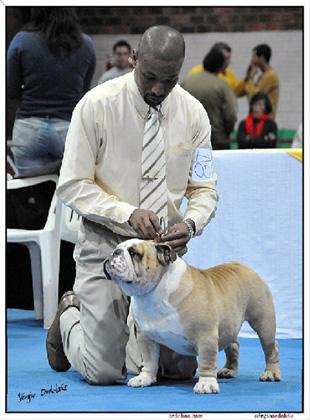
[{"x": 136, "y": 146}]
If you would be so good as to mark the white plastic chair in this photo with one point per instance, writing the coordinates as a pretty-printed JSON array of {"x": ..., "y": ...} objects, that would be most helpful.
[
  {"x": 44, "y": 249},
  {"x": 70, "y": 225}
]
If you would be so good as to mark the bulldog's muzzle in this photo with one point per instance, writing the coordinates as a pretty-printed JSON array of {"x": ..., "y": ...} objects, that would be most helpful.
[
  {"x": 116, "y": 266},
  {"x": 107, "y": 263}
]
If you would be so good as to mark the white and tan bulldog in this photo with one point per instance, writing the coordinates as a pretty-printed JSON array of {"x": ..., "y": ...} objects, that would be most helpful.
[{"x": 192, "y": 311}]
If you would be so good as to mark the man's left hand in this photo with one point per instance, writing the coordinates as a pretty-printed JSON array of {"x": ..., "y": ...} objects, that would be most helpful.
[{"x": 177, "y": 236}]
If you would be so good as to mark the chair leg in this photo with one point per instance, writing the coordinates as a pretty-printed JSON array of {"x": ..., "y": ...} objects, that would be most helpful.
[
  {"x": 36, "y": 272},
  {"x": 50, "y": 255}
]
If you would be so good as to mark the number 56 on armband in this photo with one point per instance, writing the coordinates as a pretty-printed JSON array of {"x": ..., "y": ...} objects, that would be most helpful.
[{"x": 203, "y": 165}]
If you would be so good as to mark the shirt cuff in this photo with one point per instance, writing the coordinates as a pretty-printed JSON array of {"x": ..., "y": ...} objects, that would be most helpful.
[
  {"x": 118, "y": 220},
  {"x": 200, "y": 221},
  {"x": 119, "y": 213}
]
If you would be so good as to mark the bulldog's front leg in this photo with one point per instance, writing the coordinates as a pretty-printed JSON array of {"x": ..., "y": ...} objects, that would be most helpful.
[
  {"x": 207, "y": 354},
  {"x": 150, "y": 357}
]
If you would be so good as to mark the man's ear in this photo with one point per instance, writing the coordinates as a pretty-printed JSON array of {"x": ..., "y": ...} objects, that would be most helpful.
[
  {"x": 165, "y": 254},
  {"x": 134, "y": 57}
]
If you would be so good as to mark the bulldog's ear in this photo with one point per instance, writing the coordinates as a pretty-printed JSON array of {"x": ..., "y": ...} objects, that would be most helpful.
[{"x": 165, "y": 254}]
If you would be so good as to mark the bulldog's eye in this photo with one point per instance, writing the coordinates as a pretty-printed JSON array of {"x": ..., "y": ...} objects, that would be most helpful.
[{"x": 134, "y": 253}]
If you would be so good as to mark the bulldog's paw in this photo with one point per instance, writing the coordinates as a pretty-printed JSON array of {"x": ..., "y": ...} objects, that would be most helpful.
[
  {"x": 207, "y": 386},
  {"x": 270, "y": 375},
  {"x": 143, "y": 379},
  {"x": 227, "y": 373}
]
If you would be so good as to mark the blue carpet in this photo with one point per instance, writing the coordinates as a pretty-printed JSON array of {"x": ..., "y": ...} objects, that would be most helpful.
[{"x": 30, "y": 375}]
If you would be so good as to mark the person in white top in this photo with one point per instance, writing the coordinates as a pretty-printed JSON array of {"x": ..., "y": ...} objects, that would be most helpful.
[
  {"x": 101, "y": 179},
  {"x": 121, "y": 55}
]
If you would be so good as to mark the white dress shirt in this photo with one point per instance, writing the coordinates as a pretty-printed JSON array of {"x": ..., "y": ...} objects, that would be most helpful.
[{"x": 101, "y": 170}]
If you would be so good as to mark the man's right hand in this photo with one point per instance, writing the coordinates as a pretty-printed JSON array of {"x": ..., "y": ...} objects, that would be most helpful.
[
  {"x": 145, "y": 223},
  {"x": 250, "y": 72}
]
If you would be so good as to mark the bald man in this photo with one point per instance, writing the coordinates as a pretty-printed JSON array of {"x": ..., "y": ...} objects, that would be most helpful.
[{"x": 130, "y": 150}]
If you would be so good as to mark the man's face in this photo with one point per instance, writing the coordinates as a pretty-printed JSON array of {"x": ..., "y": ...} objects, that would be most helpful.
[
  {"x": 256, "y": 60},
  {"x": 156, "y": 78},
  {"x": 120, "y": 57}
]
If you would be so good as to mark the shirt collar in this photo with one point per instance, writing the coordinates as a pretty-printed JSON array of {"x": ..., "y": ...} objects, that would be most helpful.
[{"x": 141, "y": 106}]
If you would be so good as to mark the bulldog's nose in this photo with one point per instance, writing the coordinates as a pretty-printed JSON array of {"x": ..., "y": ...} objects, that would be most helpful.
[{"x": 117, "y": 252}]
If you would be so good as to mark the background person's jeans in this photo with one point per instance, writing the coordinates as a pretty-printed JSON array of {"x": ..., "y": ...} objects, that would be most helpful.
[{"x": 38, "y": 145}]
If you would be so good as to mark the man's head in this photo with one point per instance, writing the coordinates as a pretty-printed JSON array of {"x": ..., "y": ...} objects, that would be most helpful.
[
  {"x": 226, "y": 50},
  {"x": 158, "y": 62},
  {"x": 121, "y": 53},
  {"x": 261, "y": 55},
  {"x": 214, "y": 61}
]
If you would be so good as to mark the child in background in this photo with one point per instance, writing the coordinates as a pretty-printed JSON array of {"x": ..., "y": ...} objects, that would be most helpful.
[{"x": 258, "y": 130}]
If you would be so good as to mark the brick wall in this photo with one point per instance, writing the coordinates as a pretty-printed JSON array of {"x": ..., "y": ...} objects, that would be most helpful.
[{"x": 134, "y": 20}]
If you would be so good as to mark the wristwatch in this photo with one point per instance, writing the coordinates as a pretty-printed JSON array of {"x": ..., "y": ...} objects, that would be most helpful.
[{"x": 191, "y": 227}]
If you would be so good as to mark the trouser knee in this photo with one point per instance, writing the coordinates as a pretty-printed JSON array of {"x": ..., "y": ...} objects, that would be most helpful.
[{"x": 104, "y": 374}]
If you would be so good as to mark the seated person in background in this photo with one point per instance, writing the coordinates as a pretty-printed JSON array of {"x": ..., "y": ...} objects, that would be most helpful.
[
  {"x": 50, "y": 65},
  {"x": 216, "y": 97},
  {"x": 120, "y": 63},
  {"x": 268, "y": 81},
  {"x": 226, "y": 74},
  {"x": 258, "y": 130}
]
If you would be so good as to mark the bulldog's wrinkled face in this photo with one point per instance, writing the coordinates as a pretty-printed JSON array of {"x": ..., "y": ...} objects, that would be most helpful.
[{"x": 137, "y": 266}]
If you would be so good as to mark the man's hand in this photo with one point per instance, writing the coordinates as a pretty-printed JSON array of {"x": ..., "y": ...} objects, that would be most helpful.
[
  {"x": 177, "y": 236},
  {"x": 145, "y": 223},
  {"x": 251, "y": 71}
]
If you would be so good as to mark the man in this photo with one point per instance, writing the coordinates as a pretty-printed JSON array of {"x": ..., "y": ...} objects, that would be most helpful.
[
  {"x": 216, "y": 97},
  {"x": 226, "y": 73},
  {"x": 268, "y": 81},
  {"x": 128, "y": 162},
  {"x": 121, "y": 54}
]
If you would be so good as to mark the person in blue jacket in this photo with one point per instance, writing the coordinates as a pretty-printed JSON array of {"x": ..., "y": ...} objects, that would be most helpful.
[{"x": 50, "y": 65}]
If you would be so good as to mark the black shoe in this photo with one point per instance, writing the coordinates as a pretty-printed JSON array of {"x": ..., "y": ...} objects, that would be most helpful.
[{"x": 54, "y": 348}]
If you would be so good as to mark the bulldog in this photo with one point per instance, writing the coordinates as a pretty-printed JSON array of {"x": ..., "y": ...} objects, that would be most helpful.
[{"x": 192, "y": 311}]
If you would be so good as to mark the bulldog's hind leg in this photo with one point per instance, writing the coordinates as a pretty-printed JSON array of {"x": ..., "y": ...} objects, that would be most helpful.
[
  {"x": 262, "y": 320},
  {"x": 272, "y": 370},
  {"x": 230, "y": 368}
]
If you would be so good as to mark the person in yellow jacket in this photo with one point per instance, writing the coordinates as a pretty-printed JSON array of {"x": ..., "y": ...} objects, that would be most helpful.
[
  {"x": 226, "y": 74},
  {"x": 267, "y": 82}
]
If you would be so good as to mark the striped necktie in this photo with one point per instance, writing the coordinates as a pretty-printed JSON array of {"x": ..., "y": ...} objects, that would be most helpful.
[{"x": 153, "y": 190}]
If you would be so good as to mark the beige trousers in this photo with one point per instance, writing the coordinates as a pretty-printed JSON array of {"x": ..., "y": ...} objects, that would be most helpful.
[{"x": 99, "y": 340}]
